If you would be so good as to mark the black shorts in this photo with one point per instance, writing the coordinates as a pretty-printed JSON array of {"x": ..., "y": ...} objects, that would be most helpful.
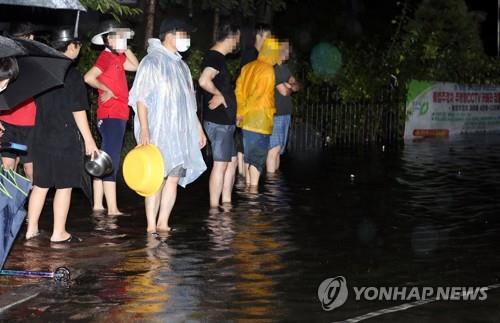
[
  {"x": 20, "y": 135},
  {"x": 238, "y": 140},
  {"x": 59, "y": 170}
]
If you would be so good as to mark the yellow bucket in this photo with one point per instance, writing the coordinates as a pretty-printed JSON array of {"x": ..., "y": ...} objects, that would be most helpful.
[{"x": 144, "y": 170}]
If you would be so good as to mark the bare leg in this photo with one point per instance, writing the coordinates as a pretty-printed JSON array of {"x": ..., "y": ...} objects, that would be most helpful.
[
  {"x": 168, "y": 196},
  {"x": 254, "y": 176},
  {"x": 271, "y": 162},
  {"x": 241, "y": 164},
  {"x": 35, "y": 206},
  {"x": 247, "y": 174},
  {"x": 98, "y": 195},
  {"x": 28, "y": 170},
  {"x": 110, "y": 194},
  {"x": 9, "y": 163},
  {"x": 229, "y": 178},
  {"x": 216, "y": 182},
  {"x": 62, "y": 200},
  {"x": 278, "y": 160},
  {"x": 152, "y": 204}
]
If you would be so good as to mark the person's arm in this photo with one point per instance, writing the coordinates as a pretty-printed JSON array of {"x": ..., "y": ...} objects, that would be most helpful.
[
  {"x": 83, "y": 126},
  {"x": 294, "y": 84},
  {"x": 142, "y": 113},
  {"x": 91, "y": 79},
  {"x": 206, "y": 83},
  {"x": 283, "y": 89},
  {"x": 202, "y": 138},
  {"x": 131, "y": 63}
]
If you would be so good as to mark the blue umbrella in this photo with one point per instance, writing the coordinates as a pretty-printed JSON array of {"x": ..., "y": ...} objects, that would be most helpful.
[{"x": 13, "y": 193}]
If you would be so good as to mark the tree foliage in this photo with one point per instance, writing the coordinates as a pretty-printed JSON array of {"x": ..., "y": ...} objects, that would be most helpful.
[
  {"x": 245, "y": 7},
  {"x": 439, "y": 40},
  {"x": 112, "y": 7}
]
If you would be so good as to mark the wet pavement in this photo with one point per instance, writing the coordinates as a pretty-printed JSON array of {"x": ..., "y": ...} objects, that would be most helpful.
[{"x": 426, "y": 214}]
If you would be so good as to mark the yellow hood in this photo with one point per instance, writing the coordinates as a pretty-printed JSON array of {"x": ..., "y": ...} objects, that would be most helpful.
[{"x": 270, "y": 51}]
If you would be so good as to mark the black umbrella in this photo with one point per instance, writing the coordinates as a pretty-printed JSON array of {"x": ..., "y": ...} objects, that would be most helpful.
[
  {"x": 9, "y": 47},
  {"x": 44, "y": 68}
]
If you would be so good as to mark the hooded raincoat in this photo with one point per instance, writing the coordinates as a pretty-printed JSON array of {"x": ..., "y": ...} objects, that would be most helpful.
[
  {"x": 163, "y": 83},
  {"x": 255, "y": 90}
]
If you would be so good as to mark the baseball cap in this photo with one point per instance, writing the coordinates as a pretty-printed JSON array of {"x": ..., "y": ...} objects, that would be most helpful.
[{"x": 175, "y": 24}]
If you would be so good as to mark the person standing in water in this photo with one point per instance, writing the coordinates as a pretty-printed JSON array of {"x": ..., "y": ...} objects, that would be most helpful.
[
  {"x": 164, "y": 103},
  {"x": 58, "y": 149},
  {"x": 109, "y": 78},
  {"x": 219, "y": 113},
  {"x": 256, "y": 107},
  {"x": 285, "y": 86},
  {"x": 249, "y": 53}
]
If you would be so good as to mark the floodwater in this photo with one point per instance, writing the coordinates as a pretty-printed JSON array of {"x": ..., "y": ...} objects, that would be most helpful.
[{"x": 426, "y": 214}]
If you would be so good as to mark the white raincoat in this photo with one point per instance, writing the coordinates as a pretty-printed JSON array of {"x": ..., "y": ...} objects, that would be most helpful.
[{"x": 163, "y": 83}]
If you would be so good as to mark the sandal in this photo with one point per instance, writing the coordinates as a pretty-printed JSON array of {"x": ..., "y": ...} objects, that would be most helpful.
[{"x": 71, "y": 239}]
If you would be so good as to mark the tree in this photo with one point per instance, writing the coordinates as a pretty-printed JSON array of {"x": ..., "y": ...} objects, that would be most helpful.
[
  {"x": 442, "y": 42},
  {"x": 113, "y": 7},
  {"x": 246, "y": 8},
  {"x": 150, "y": 20}
]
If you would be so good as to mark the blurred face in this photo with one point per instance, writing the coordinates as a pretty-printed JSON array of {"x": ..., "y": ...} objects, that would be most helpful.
[
  {"x": 284, "y": 51},
  {"x": 182, "y": 41},
  {"x": 118, "y": 42},
  {"x": 235, "y": 42},
  {"x": 3, "y": 84}
]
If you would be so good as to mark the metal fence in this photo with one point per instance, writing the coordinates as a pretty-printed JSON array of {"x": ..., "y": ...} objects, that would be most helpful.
[{"x": 322, "y": 119}]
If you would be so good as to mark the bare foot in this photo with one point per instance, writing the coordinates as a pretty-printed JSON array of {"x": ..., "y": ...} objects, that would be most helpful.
[
  {"x": 98, "y": 209},
  {"x": 60, "y": 237},
  {"x": 114, "y": 212},
  {"x": 151, "y": 230},
  {"x": 31, "y": 235},
  {"x": 163, "y": 228}
]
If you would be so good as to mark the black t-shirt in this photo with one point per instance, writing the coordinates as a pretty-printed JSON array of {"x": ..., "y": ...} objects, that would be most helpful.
[
  {"x": 284, "y": 104},
  {"x": 223, "y": 82},
  {"x": 249, "y": 55},
  {"x": 55, "y": 127}
]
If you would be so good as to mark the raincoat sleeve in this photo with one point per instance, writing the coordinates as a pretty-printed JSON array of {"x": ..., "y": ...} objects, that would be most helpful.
[
  {"x": 145, "y": 85},
  {"x": 241, "y": 109}
]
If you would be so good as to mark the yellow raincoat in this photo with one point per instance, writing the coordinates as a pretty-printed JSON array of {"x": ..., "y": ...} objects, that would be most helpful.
[{"x": 255, "y": 90}]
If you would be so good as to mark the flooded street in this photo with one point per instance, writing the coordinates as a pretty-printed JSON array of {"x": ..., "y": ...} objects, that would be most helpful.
[{"x": 425, "y": 214}]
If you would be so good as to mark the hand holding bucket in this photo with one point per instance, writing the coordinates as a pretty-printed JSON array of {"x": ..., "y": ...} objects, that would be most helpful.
[{"x": 99, "y": 164}]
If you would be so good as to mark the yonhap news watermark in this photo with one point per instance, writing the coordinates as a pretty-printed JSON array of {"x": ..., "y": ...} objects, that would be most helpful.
[{"x": 334, "y": 292}]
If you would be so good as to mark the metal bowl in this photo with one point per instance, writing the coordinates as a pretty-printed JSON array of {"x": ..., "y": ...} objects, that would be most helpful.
[{"x": 100, "y": 165}]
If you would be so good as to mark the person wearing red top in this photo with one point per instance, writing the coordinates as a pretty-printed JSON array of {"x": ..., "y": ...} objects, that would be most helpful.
[
  {"x": 109, "y": 78},
  {"x": 18, "y": 122}
]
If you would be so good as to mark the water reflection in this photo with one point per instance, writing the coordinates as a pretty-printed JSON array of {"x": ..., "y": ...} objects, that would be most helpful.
[{"x": 425, "y": 215}]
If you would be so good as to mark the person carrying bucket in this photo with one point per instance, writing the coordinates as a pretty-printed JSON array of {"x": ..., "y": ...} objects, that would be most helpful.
[
  {"x": 58, "y": 152},
  {"x": 109, "y": 78},
  {"x": 164, "y": 103}
]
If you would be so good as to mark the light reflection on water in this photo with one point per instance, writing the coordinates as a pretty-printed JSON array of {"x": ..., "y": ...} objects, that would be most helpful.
[{"x": 425, "y": 214}]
